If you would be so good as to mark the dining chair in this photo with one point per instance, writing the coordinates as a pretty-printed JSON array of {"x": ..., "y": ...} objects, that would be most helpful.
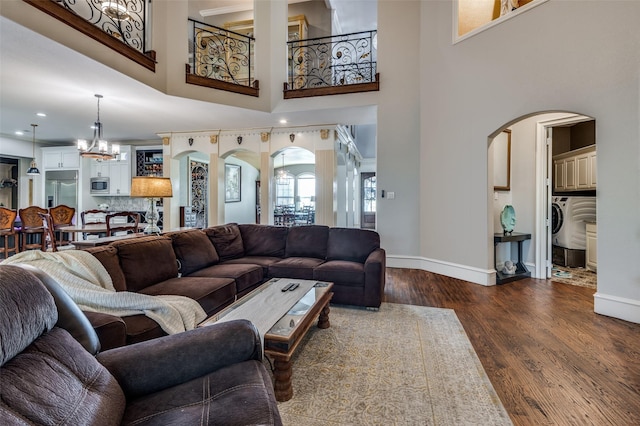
[
  {"x": 32, "y": 230},
  {"x": 50, "y": 243},
  {"x": 92, "y": 216},
  {"x": 128, "y": 223},
  {"x": 7, "y": 230},
  {"x": 62, "y": 216}
]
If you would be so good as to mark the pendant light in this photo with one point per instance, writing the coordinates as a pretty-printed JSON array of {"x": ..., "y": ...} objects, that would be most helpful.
[
  {"x": 102, "y": 146},
  {"x": 283, "y": 177},
  {"x": 33, "y": 170}
]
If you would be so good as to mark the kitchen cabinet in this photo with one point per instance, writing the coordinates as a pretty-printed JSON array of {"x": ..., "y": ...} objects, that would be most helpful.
[
  {"x": 575, "y": 170},
  {"x": 592, "y": 246},
  {"x": 118, "y": 172},
  {"x": 60, "y": 158}
]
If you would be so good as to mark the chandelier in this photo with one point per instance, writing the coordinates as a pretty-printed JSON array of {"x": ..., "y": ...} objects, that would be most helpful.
[
  {"x": 99, "y": 148},
  {"x": 283, "y": 177}
]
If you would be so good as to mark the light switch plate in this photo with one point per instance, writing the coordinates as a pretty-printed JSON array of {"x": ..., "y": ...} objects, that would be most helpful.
[{"x": 391, "y": 195}]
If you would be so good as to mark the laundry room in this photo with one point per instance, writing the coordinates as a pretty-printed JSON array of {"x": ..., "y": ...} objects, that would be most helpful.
[
  {"x": 573, "y": 208},
  {"x": 552, "y": 197}
]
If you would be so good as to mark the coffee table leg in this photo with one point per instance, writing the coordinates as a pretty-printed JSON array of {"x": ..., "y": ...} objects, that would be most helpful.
[
  {"x": 323, "y": 320},
  {"x": 282, "y": 375}
]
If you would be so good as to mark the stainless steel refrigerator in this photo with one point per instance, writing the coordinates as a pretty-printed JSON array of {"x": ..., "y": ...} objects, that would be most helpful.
[{"x": 61, "y": 187}]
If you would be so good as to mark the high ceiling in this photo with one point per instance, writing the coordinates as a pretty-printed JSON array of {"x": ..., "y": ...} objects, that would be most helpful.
[{"x": 40, "y": 75}]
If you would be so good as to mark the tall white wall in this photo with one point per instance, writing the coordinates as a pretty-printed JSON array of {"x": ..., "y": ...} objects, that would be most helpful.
[
  {"x": 579, "y": 56},
  {"x": 398, "y": 140}
]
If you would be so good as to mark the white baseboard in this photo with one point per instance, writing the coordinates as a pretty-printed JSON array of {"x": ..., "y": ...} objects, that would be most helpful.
[
  {"x": 617, "y": 307},
  {"x": 485, "y": 277}
]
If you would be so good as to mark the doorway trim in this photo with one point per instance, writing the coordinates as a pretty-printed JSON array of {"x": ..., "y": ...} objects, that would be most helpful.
[{"x": 544, "y": 184}]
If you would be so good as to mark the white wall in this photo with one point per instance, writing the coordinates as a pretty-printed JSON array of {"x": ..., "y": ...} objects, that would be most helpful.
[
  {"x": 243, "y": 211},
  {"x": 542, "y": 60},
  {"x": 398, "y": 140},
  {"x": 23, "y": 150}
]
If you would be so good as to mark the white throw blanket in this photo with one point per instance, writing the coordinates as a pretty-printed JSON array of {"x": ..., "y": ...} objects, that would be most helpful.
[{"x": 89, "y": 284}]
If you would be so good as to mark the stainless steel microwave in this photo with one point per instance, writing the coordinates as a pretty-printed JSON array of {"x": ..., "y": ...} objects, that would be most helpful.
[{"x": 99, "y": 185}]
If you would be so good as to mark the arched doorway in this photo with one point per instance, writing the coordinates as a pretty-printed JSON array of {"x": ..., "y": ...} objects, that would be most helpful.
[
  {"x": 533, "y": 189},
  {"x": 294, "y": 195},
  {"x": 241, "y": 186}
]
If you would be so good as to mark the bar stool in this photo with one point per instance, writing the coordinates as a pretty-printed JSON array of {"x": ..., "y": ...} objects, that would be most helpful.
[
  {"x": 7, "y": 221},
  {"x": 31, "y": 227},
  {"x": 62, "y": 216}
]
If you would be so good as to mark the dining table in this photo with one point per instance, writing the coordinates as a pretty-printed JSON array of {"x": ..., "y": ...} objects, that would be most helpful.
[
  {"x": 101, "y": 241},
  {"x": 89, "y": 229}
]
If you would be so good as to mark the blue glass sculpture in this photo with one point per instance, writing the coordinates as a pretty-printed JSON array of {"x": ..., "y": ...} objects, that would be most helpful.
[{"x": 508, "y": 219}]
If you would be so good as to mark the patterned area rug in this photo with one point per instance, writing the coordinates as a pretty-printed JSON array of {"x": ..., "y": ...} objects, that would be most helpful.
[
  {"x": 574, "y": 276},
  {"x": 403, "y": 365}
]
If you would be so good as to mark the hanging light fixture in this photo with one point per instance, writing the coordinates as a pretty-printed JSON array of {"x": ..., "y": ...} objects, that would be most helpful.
[
  {"x": 98, "y": 143},
  {"x": 33, "y": 169},
  {"x": 283, "y": 176}
]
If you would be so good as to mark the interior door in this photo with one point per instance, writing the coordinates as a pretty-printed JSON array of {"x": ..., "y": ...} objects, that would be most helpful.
[
  {"x": 368, "y": 201},
  {"x": 548, "y": 207}
]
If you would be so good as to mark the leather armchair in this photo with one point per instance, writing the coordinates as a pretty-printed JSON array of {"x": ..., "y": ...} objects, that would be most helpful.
[{"x": 211, "y": 375}]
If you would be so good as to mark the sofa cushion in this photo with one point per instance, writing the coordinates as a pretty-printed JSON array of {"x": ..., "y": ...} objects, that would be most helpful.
[
  {"x": 307, "y": 241},
  {"x": 28, "y": 303},
  {"x": 141, "y": 328},
  {"x": 351, "y": 244},
  {"x": 263, "y": 261},
  {"x": 264, "y": 240},
  {"x": 111, "y": 330},
  {"x": 246, "y": 276},
  {"x": 239, "y": 393},
  {"x": 55, "y": 381},
  {"x": 294, "y": 267},
  {"x": 193, "y": 250},
  {"x": 342, "y": 272},
  {"x": 146, "y": 261},
  {"x": 108, "y": 256},
  {"x": 227, "y": 240},
  {"x": 211, "y": 293}
]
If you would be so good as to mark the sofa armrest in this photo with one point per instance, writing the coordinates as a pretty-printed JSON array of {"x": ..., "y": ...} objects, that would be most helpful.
[
  {"x": 374, "y": 278},
  {"x": 157, "y": 364}
]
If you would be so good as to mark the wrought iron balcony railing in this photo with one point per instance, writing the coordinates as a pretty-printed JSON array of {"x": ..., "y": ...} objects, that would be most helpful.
[
  {"x": 122, "y": 19},
  {"x": 220, "y": 54},
  {"x": 333, "y": 61},
  {"x": 122, "y": 23}
]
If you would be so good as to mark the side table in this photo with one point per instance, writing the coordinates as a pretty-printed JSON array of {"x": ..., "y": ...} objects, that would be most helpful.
[{"x": 521, "y": 269}]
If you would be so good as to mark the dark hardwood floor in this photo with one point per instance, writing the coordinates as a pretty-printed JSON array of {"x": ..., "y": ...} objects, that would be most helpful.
[{"x": 550, "y": 358}]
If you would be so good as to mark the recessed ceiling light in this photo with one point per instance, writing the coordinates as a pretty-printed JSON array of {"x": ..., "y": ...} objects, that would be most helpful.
[
  {"x": 19, "y": 132},
  {"x": 283, "y": 121},
  {"x": 41, "y": 114}
]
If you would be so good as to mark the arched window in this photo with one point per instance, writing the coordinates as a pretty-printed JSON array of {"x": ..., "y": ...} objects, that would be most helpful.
[
  {"x": 306, "y": 190},
  {"x": 285, "y": 189}
]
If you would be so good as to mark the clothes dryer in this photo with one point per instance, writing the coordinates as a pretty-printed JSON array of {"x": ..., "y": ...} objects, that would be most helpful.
[{"x": 568, "y": 221}]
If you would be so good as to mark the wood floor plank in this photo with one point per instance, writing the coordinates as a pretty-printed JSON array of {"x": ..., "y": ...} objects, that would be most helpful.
[{"x": 551, "y": 359}]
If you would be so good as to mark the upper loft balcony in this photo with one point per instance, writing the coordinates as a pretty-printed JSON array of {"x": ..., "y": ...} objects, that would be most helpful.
[{"x": 225, "y": 57}]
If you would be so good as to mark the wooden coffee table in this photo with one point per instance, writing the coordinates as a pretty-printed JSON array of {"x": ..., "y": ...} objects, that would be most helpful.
[{"x": 282, "y": 338}]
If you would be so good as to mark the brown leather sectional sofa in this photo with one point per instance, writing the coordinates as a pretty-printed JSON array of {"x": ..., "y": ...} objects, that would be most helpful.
[{"x": 219, "y": 264}]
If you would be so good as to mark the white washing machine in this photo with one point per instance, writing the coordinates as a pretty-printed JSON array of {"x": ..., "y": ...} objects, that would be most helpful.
[{"x": 568, "y": 217}]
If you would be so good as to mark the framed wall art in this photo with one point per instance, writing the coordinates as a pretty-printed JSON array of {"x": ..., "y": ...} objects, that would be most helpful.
[
  {"x": 232, "y": 183},
  {"x": 502, "y": 161}
]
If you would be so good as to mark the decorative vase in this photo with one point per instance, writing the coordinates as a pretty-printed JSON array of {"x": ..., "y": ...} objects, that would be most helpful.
[{"x": 508, "y": 219}]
